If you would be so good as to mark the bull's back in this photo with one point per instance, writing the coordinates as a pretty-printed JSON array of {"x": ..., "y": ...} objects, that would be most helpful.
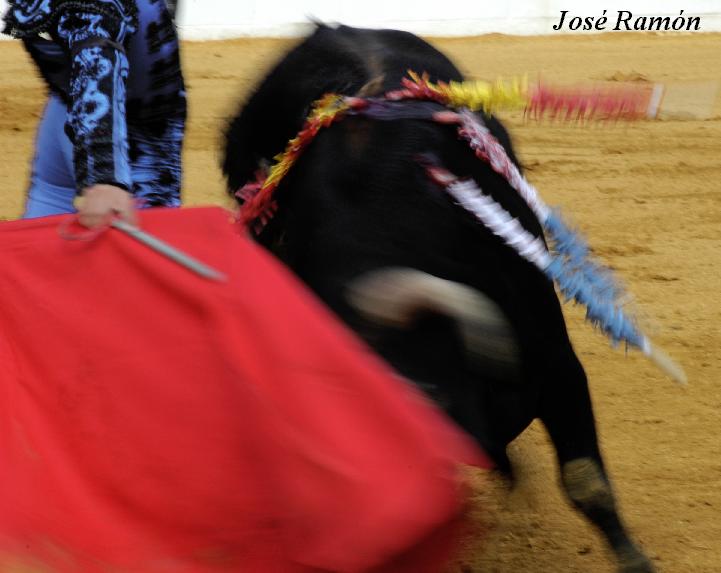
[{"x": 340, "y": 60}]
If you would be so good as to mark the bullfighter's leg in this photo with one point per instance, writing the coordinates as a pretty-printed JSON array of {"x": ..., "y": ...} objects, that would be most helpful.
[
  {"x": 567, "y": 414},
  {"x": 52, "y": 183}
]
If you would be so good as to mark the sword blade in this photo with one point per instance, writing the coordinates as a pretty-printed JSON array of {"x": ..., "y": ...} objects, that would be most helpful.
[{"x": 169, "y": 251}]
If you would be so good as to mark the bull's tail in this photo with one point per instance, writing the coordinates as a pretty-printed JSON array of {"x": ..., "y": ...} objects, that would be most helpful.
[{"x": 395, "y": 297}]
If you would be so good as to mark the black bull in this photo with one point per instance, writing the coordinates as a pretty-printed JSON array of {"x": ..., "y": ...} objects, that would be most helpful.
[{"x": 358, "y": 201}]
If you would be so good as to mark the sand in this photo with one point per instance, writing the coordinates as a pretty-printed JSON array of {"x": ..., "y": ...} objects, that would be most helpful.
[{"x": 647, "y": 196}]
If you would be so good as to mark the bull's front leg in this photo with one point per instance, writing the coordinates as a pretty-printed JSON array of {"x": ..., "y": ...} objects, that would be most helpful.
[
  {"x": 588, "y": 487},
  {"x": 568, "y": 416}
]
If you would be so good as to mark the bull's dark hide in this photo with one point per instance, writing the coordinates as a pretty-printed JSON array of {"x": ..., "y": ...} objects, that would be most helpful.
[{"x": 358, "y": 200}]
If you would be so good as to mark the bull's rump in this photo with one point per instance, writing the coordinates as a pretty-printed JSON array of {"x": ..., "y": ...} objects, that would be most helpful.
[{"x": 154, "y": 421}]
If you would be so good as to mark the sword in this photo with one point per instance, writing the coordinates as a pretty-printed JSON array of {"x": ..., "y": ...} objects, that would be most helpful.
[{"x": 169, "y": 251}]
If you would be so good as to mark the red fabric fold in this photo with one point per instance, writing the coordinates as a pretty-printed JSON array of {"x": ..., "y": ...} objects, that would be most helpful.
[{"x": 154, "y": 421}]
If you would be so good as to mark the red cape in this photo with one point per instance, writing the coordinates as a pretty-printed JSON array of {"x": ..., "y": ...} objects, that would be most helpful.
[{"x": 154, "y": 421}]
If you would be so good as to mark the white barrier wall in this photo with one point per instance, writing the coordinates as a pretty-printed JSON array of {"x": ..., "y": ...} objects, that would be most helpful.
[
  {"x": 209, "y": 19},
  {"x": 222, "y": 18}
]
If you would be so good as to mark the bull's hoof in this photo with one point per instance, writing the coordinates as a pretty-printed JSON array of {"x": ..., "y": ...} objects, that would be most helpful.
[{"x": 635, "y": 562}]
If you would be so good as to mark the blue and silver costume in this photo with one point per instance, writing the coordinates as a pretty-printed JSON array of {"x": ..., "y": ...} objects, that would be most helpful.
[{"x": 117, "y": 106}]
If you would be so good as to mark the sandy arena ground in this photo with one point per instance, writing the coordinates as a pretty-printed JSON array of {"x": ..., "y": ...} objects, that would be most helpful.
[{"x": 646, "y": 194}]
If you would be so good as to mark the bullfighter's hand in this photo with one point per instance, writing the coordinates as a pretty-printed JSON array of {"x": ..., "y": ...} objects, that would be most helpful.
[{"x": 100, "y": 202}]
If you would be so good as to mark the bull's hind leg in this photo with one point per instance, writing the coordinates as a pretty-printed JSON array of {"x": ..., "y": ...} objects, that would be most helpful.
[{"x": 568, "y": 416}]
